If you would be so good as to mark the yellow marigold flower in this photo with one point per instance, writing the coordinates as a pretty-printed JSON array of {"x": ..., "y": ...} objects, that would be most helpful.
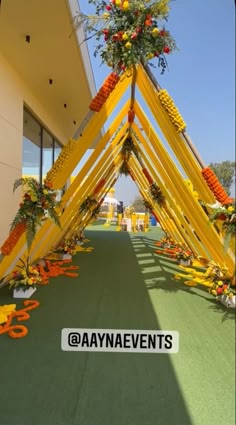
[
  {"x": 155, "y": 32},
  {"x": 45, "y": 191},
  {"x": 126, "y": 5},
  {"x": 118, "y": 2},
  {"x": 106, "y": 15},
  {"x": 230, "y": 209},
  {"x": 30, "y": 282},
  {"x": 125, "y": 36},
  {"x": 128, "y": 45},
  {"x": 150, "y": 55}
]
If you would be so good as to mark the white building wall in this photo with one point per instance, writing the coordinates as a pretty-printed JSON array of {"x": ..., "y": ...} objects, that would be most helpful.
[{"x": 13, "y": 94}]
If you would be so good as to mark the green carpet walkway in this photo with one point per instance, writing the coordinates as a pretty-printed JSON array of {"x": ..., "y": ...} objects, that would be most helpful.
[{"x": 122, "y": 284}]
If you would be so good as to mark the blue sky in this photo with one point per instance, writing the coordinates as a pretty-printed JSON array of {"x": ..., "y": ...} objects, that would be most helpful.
[{"x": 200, "y": 78}]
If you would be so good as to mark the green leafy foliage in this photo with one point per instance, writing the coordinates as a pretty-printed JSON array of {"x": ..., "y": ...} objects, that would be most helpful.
[
  {"x": 225, "y": 171},
  {"x": 38, "y": 203},
  {"x": 124, "y": 169},
  {"x": 157, "y": 195},
  {"x": 88, "y": 205}
]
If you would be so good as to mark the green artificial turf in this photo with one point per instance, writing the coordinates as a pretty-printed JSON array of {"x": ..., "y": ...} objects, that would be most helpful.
[{"x": 122, "y": 284}]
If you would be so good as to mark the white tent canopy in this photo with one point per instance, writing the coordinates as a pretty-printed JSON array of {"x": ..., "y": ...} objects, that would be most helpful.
[{"x": 110, "y": 201}]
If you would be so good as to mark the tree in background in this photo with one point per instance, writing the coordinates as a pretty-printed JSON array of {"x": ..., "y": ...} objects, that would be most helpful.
[
  {"x": 225, "y": 171},
  {"x": 138, "y": 205}
]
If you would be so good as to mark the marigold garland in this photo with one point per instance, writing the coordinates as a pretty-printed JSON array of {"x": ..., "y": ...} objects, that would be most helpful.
[
  {"x": 215, "y": 186},
  {"x": 56, "y": 269},
  {"x": 175, "y": 116},
  {"x": 104, "y": 92},
  {"x": 13, "y": 238},
  {"x": 18, "y": 331},
  {"x": 62, "y": 160}
]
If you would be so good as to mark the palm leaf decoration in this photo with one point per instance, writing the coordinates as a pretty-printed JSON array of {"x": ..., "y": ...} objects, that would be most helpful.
[
  {"x": 53, "y": 215},
  {"x": 38, "y": 202}
]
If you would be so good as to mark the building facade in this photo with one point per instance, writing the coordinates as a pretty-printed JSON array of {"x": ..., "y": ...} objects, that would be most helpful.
[{"x": 46, "y": 85}]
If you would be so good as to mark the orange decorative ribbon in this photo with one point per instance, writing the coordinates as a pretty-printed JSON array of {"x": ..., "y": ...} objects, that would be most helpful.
[{"x": 18, "y": 331}]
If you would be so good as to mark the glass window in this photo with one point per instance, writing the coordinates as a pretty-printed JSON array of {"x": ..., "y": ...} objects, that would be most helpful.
[
  {"x": 57, "y": 150},
  {"x": 47, "y": 152},
  {"x": 31, "y": 147},
  {"x": 40, "y": 148}
]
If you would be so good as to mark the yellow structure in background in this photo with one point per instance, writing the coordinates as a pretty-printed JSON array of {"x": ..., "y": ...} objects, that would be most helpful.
[{"x": 181, "y": 216}]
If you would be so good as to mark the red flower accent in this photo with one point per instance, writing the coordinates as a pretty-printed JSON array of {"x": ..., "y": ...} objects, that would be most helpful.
[{"x": 166, "y": 49}]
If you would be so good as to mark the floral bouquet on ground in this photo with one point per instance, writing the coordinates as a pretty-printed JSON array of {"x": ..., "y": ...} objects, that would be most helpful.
[
  {"x": 223, "y": 287},
  {"x": 129, "y": 32},
  {"x": 26, "y": 277},
  {"x": 68, "y": 247},
  {"x": 184, "y": 256},
  {"x": 227, "y": 214}
]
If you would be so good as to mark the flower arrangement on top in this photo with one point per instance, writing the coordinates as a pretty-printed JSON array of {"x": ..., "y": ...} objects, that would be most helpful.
[
  {"x": 227, "y": 214},
  {"x": 131, "y": 30},
  {"x": 39, "y": 202}
]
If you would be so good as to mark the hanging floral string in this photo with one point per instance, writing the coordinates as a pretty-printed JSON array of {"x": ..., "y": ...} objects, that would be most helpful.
[{"x": 129, "y": 32}]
